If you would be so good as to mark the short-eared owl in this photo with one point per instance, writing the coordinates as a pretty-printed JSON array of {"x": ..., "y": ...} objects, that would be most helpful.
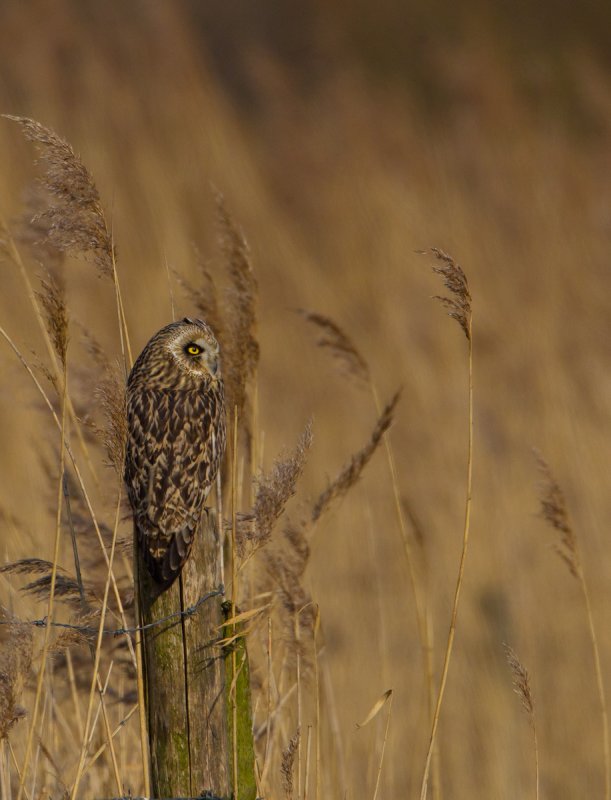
[{"x": 175, "y": 441}]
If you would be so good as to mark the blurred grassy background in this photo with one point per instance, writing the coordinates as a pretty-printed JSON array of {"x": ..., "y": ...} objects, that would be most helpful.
[{"x": 345, "y": 137}]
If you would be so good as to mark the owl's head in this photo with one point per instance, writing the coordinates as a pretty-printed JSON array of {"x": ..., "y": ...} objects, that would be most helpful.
[
  {"x": 194, "y": 349},
  {"x": 184, "y": 354}
]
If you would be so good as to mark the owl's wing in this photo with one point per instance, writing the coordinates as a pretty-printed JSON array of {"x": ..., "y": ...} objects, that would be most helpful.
[{"x": 172, "y": 457}]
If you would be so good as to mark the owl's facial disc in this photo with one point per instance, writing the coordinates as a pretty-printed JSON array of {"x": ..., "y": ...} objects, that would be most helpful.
[{"x": 202, "y": 355}]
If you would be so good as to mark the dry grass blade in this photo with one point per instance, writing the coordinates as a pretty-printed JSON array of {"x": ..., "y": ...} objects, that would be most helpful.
[
  {"x": 241, "y": 349},
  {"x": 339, "y": 344},
  {"x": 554, "y": 511},
  {"x": 274, "y": 490},
  {"x": 352, "y": 471},
  {"x": 56, "y": 316},
  {"x": 386, "y": 697},
  {"x": 15, "y": 660},
  {"x": 74, "y": 219},
  {"x": 288, "y": 762},
  {"x": 458, "y": 305},
  {"x": 245, "y": 616},
  {"x": 375, "y": 709}
]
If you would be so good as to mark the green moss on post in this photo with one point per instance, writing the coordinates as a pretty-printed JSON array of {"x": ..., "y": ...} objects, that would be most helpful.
[{"x": 237, "y": 680}]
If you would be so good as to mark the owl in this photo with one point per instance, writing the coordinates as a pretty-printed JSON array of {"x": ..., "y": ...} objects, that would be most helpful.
[{"x": 175, "y": 441}]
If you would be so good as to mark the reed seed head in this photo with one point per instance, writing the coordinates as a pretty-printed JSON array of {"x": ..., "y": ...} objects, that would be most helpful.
[
  {"x": 52, "y": 298},
  {"x": 554, "y": 511},
  {"x": 288, "y": 762},
  {"x": 274, "y": 490},
  {"x": 351, "y": 472},
  {"x": 521, "y": 682},
  {"x": 112, "y": 399},
  {"x": 74, "y": 220},
  {"x": 458, "y": 305},
  {"x": 351, "y": 362},
  {"x": 240, "y": 345},
  {"x": 15, "y": 661},
  {"x": 28, "y": 566}
]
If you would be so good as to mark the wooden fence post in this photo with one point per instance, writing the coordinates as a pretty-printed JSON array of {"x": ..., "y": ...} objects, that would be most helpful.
[{"x": 184, "y": 674}]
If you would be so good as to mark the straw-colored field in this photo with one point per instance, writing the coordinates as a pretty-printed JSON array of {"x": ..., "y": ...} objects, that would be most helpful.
[{"x": 341, "y": 156}]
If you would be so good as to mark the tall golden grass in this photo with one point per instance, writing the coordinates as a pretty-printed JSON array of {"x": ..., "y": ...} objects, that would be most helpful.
[{"x": 335, "y": 186}]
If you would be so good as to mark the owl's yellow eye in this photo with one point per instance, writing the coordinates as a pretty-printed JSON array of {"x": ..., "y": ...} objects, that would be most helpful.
[{"x": 193, "y": 349}]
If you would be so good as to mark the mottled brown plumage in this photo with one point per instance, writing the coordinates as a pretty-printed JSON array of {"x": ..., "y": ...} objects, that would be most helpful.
[{"x": 175, "y": 441}]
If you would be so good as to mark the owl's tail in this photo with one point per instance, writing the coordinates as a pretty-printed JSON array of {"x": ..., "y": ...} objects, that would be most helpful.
[{"x": 165, "y": 556}]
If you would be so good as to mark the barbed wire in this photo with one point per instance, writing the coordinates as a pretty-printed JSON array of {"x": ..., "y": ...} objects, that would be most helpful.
[
  {"x": 183, "y": 614},
  {"x": 203, "y": 796}
]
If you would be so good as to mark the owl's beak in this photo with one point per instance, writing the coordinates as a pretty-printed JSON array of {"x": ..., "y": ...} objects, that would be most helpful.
[{"x": 214, "y": 365}]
